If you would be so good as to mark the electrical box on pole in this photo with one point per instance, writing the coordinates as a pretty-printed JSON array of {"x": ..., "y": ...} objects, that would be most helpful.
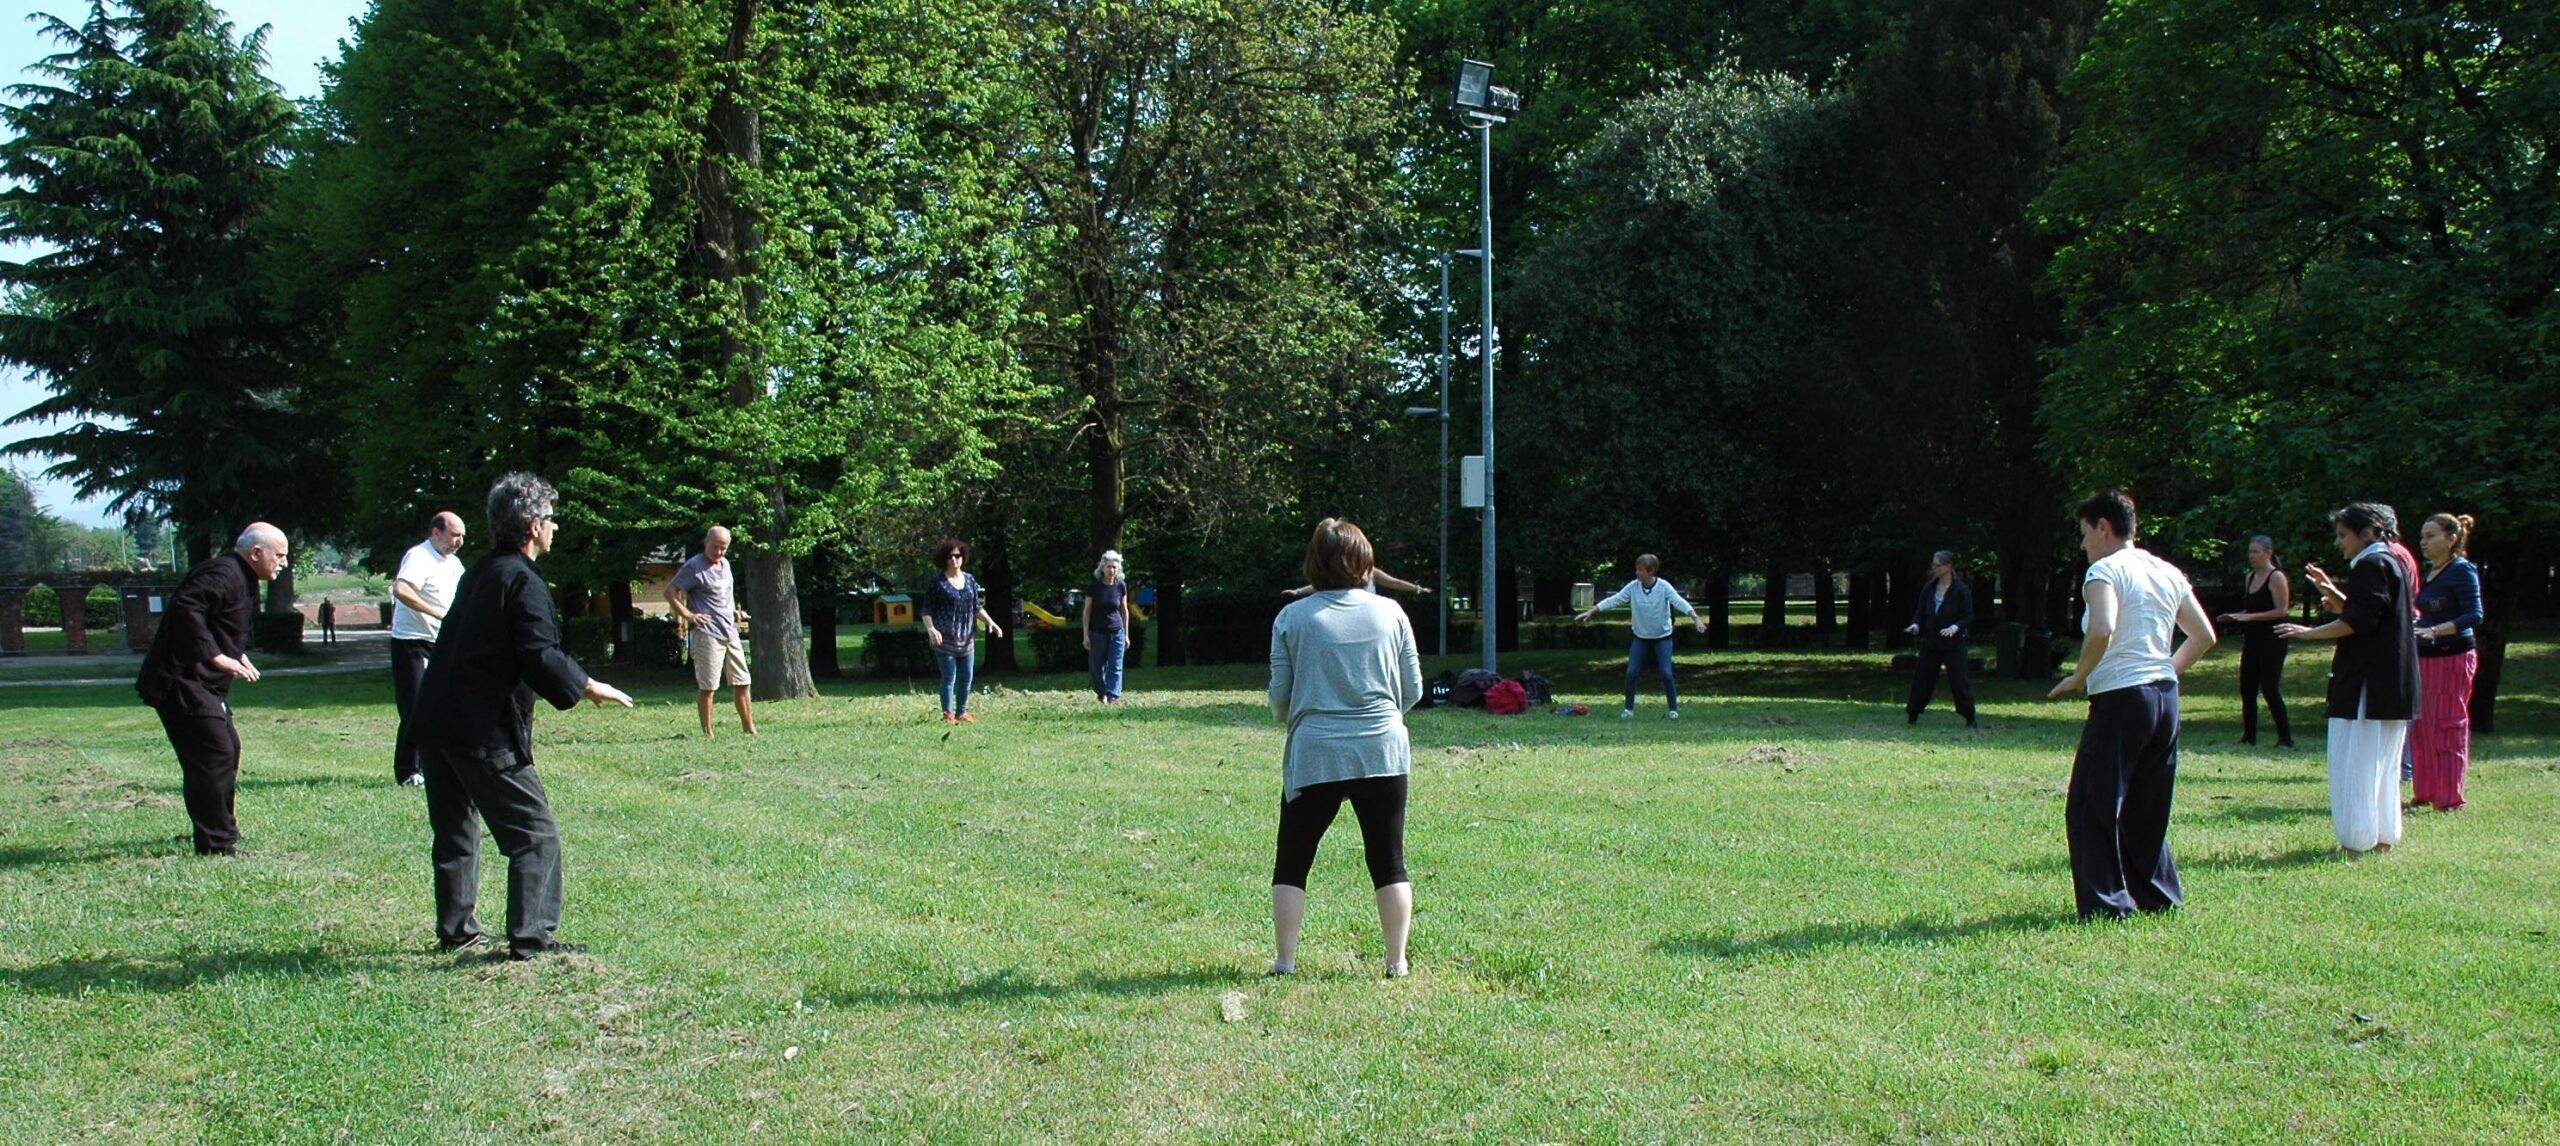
[{"x": 1471, "y": 481}]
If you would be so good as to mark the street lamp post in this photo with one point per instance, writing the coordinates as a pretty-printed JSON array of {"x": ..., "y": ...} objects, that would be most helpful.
[
  {"x": 1442, "y": 413},
  {"x": 1483, "y": 105}
]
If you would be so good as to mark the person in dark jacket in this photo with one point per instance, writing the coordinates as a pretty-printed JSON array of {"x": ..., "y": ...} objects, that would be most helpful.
[
  {"x": 498, "y": 650},
  {"x": 201, "y": 647},
  {"x": 2373, "y": 681},
  {"x": 1942, "y": 622}
]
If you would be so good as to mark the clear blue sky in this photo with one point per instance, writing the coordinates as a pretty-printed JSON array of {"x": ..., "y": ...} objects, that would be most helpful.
[{"x": 301, "y": 35}]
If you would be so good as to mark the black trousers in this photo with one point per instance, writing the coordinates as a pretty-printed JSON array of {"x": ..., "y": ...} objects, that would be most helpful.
[
  {"x": 2117, "y": 816},
  {"x": 2262, "y": 671},
  {"x": 1379, "y": 803},
  {"x": 465, "y": 788},
  {"x": 408, "y": 667},
  {"x": 209, "y": 761},
  {"x": 1926, "y": 660}
]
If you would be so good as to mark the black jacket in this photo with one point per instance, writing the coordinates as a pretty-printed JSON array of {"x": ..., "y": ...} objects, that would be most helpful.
[
  {"x": 207, "y": 616},
  {"x": 1956, "y": 610},
  {"x": 2377, "y": 663},
  {"x": 499, "y": 649}
]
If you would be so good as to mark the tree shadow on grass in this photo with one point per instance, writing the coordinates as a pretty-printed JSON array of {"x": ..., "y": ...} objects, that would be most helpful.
[
  {"x": 44, "y": 855},
  {"x": 1823, "y": 938},
  {"x": 73, "y": 977},
  {"x": 1011, "y": 985}
]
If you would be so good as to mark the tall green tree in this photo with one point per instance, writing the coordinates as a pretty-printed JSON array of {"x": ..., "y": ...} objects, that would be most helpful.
[
  {"x": 734, "y": 262},
  {"x": 2315, "y": 256},
  {"x": 140, "y": 167},
  {"x": 1214, "y": 178},
  {"x": 1960, "y": 126},
  {"x": 1681, "y": 327}
]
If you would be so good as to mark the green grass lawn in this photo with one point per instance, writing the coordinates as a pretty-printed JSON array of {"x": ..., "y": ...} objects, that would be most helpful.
[{"x": 1787, "y": 917}]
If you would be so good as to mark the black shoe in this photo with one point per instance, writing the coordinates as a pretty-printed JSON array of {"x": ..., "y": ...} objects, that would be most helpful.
[
  {"x": 226, "y": 851},
  {"x": 1911, "y": 718},
  {"x": 2249, "y": 741},
  {"x": 522, "y": 953},
  {"x": 1968, "y": 722},
  {"x": 2287, "y": 742}
]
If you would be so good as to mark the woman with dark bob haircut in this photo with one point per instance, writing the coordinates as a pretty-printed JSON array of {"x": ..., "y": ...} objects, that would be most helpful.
[{"x": 1344, "y": 671}]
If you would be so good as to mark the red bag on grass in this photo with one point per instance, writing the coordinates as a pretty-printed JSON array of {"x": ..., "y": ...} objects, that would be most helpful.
[{"x": 1506, "y": 699}]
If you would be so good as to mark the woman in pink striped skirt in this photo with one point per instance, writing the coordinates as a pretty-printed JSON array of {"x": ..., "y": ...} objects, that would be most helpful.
[{"x": 2448, "y": 611}]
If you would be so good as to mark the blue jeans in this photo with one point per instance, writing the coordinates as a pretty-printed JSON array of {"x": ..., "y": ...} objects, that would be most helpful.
[
  {"x": 957, "y": 673},
  {"x": 1102, "y": 661},
  {"x": 1655, "y": 652}
]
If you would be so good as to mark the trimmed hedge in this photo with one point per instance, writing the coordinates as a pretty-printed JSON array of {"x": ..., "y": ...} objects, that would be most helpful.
[
  {"x": 1062, "y": 650},
  {"x": 653, "y": 641},
  {"x": 42, "y": 607},
  {"x": 276, "y": 632},
  {"x": 897, "y": 652},
  {"x": 587, "y": 638}
]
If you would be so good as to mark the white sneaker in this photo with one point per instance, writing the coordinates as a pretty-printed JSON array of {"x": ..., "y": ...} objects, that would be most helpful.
[
  {"x": 1396, "y": 971},
  {"x": 414, "y": 780},
  {"x": 1675, "y": 714},
  {"x": 1626, "y": 714}
]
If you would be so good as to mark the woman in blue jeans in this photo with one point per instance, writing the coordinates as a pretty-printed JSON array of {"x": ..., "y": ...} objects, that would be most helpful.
[
  {"x": 954, "y": 607},
  {"x": 1650, "y": 601},
  {"x": 1106, "y": 626}
]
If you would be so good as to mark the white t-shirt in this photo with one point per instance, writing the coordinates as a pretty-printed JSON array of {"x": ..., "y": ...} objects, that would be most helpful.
[
  {"x": 434, "y": 576},
  {"x": 2148, "y": 593}
]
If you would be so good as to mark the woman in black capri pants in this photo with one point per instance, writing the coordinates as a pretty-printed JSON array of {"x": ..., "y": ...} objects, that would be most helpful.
[
  {"x": 1942, "y": 622},
  {"x": 1344, "y": 671}
]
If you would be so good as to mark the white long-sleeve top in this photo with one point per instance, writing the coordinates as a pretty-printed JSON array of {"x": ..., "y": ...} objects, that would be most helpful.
[{"x": 1650, "y": 609}]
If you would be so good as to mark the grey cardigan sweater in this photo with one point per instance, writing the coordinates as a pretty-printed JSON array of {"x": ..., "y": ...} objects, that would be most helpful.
[{"x": 1344, "y": 671}]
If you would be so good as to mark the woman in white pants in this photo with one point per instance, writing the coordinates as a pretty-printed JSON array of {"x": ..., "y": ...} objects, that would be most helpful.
[{"x": 2373, "y": 682}]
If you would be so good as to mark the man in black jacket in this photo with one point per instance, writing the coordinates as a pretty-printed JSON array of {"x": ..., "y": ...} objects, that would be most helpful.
[
  {"x": 201, "y": 646},
  {"x": 1943, "y": 622},
  {"x": 498, "y": 650}
]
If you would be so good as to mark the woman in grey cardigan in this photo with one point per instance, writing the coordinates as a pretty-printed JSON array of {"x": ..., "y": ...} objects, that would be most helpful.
[{"x": 1344, "y": 671}]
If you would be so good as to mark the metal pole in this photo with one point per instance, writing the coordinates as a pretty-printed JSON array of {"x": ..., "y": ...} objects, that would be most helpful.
[
  {"x": 1484, "y": 246},
  {"x": 1443, "y": 646}
]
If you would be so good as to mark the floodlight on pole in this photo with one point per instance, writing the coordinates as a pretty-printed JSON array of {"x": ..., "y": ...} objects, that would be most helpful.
[{"x": 1482, "y": 105}]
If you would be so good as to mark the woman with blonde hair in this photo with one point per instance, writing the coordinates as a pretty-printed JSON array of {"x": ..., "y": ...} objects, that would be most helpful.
[
  {"x": 1106, "y": 626},
  {"x": 2448, "y": 657},
  {"x": 1344, "y": 671}
]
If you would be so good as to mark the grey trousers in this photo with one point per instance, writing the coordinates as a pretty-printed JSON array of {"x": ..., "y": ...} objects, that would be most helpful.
[{"x": 463, "y": 789}]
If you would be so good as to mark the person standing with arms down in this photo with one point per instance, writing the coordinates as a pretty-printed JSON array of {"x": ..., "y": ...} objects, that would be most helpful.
[
  {"x": 2373, "y": 679},
  {"x": 704, "y": 594},
  {"x": 328, "y": 621},
  {"x": 499, "y": 650},
  {"x": 1106, "y": 626},
  {"x": 201, "y": 647},
  {"x": 2269, "y": 599},
  {"x": 2117, "y": 813},
  {"x": 420, "y": 593},
  {"x": 1650, "y": 601},
  {"x": 2448, "y": 659},
  {"x": 954, "y": 607},
  {"x": 1943, "y": 622},
  {"x": 1344, "y": 671}
]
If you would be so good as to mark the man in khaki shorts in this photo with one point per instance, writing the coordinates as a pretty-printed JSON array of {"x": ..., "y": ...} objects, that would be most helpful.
[{"x": 704, "y": 594}]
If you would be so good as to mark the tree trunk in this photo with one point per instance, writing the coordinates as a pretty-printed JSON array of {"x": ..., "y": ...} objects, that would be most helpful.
[
  {"x": 1861, "y": 611},
  {"x": 1826, "y": 600},
  {"x": 1550, "y": 594},
  {"x": 729, "y": 247},
  {"x": 1168, "y": 618},
  {"x": 1901, "y": 600},
  {"x": 822, "y": 631},
  {"x": 1003, "y": 588},
  {"x": 1506, "y": 592},
  {"x": 1773, "y": 608},
  {"x": 618, "y": 601},
  {"x": 1719, "y": 606}
]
